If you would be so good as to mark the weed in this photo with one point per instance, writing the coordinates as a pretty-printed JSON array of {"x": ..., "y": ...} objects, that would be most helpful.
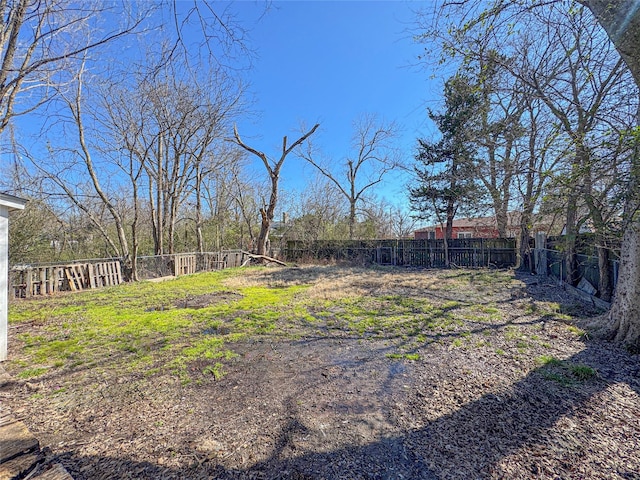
[
  {"x": 548, "y": 360},
  {"x": 582, "y": 372},
  {"x": 215, "y": 370},
  {"x": 563, "y": 372},
  {"x": 32, "y": 372},
  {"x": 499, "y": 351},
  {"x": 513, "y": 333},
  {"x": 557, "y": 377},
  {"x": 407, "y": 356},
  {"x": 577, "y": 331}
]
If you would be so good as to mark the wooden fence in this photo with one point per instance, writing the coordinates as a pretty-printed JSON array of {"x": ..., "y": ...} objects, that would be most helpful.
[
  {"x": 31, "y": 281},
  {"x": 468, "y": 252}
]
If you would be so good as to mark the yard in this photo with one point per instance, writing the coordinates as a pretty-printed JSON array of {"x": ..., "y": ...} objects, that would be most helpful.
[{"x": 325, "y": 372}]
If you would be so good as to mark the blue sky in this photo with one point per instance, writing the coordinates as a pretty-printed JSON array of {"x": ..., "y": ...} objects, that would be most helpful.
[
  {"x": 325, "y": 62},
  {"x": 329, "y": 62}
]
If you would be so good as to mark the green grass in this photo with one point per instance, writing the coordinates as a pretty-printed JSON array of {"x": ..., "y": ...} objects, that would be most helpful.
[
  {"x": 32, "y": 372},
  {"x": 393, "y": 316},
  {"x": 563, "y": 372},
  {"x": 144, "y": 328},
  {"x": 577, "y": 331},
  {"x": 406, "y": 356},
  {"x": 582, "y": 372}
]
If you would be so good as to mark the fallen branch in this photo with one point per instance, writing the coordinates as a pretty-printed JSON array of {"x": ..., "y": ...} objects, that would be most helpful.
[{"x": 254, "y": 256}]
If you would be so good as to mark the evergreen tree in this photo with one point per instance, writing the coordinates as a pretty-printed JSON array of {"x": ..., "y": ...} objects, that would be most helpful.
[{"x": 446, "y": 185}]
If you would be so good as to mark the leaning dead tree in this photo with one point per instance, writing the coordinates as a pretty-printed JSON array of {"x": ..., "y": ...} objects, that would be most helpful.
[{"x": 273, "y": 169}]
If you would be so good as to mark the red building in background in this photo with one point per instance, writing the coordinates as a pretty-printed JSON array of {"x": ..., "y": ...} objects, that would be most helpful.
[
  {"x": 483, "y": 227},
  {"x": 487, "y": 227}
]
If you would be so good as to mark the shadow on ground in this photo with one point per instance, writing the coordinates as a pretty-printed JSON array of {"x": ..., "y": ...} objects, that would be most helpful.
[{"x": 471, "y": 440}]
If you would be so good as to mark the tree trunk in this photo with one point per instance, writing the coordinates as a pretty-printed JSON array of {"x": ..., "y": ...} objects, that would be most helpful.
[
  {"x": 352, "y": 218},
  {"x": 604, "y": 281},
  {"x": 159, "y": 203},
  {"x": 624, "y": 316},
  {"x": 502, "y": 219},
  {"x": 524, "y": 251},
  {"x": 198, "y": 187},
  {"x": 451, "y": 213},
  {"x": 263, "y": 236},
  {"x": 445, "y": 243},
  {"x": 570, "y": 240},
  {"x": 274, "y": 176}
]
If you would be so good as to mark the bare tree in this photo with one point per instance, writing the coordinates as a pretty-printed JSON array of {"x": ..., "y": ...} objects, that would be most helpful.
[
  {"x": 40, "y": 38},
  {"x": 621, "y": 21},
  {"x": 318, "y": 212},
  {"x": 273, "y": 169},
  {"x": 374, "y": 155},
  {"x": 82, "y": 156}
]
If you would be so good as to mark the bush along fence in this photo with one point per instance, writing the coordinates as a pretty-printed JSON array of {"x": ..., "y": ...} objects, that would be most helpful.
[
  {"x": 552, "y": 262},
  {"x": 46, "y": 279},
  {"x": 468, "y": 252}
]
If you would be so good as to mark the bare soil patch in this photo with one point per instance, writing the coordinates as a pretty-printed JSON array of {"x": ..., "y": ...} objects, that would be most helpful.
[
  {"x": 206, "y": 300},
  {"x": 391, "y": 374}
]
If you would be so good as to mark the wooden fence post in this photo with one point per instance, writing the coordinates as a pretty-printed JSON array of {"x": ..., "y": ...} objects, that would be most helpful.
[{"x": 541, "y": 254}]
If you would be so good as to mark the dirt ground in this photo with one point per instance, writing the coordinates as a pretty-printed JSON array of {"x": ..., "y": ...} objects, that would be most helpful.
[{"x": 473, "y": 400}]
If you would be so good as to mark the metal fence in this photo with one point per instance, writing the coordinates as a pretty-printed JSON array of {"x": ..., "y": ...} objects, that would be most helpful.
[
  {"x": 587, "y": 267},
  {"x": 155, "y": 266},
  {"x": 468, "y": 252}
]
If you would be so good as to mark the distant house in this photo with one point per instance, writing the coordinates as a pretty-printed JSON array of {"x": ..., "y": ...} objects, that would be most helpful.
[{"x": 487, "y": 227}]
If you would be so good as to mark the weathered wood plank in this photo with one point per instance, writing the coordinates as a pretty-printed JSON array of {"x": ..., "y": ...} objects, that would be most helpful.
[
  {"x": 29, "y": 282},
  {"x": 43, "y": 280},
  {"x": 118, "y": 273},
  {"x": 69, "y": 276},
  {"x": 16, "y": 440},
  {"x": 585, "y": 297},
  {"x": 6, "y": 418},
  {"x": 99, "y": 268},
  {"x": 108, "y": 280},
  {"x": 79, "y": 276},
  {"x": 92, "y": 275},
  {"x": 18, "y": 467},
  {"x": 56, "y": 472}
]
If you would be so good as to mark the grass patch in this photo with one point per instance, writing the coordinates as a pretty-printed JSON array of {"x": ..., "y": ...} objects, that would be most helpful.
[
  {"x": 136, "y": 326},
  {"x": 563, "y": 372},
  {"x": 391, "y": 316},
  {"x": 404, "y": 356},
  {"x": 187, "y": 327},
  {"x": 577, "y": 331},
  {"x": 32, "y": 372},
  {"x": 548, "y": 360},
  {"x": 582, "y": 372}
]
